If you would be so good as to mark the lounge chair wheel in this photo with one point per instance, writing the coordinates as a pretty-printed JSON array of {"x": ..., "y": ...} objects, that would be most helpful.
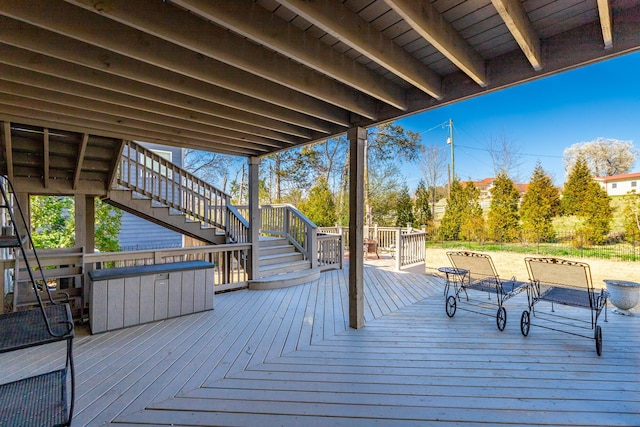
[
  {"x": 501, "y": 318},
  {"x": 451, "y": 306},
  {"x": 598, "y": 337},
  {"x": 525, "y": 323}
]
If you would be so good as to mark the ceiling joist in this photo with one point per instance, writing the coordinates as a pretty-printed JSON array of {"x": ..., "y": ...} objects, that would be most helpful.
[
  {"x": 342, "y": 23},
  {"x": 423, "y": 17},
  {"x": 520, "y": 27}
]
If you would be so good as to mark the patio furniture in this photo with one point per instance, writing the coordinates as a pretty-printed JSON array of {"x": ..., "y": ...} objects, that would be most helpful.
[
  {"x": 563, "y": 282},
  {"x": 481, "y": 276},
  {"x": 370, "y": 246},
  {"x": 128, "y": 296},
  {"x": 453, "y": 277},
  {"x": 37, "y": 400}
]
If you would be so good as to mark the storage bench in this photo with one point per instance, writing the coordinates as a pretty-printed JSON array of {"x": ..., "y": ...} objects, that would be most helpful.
[{"x": 128, "y": 296}]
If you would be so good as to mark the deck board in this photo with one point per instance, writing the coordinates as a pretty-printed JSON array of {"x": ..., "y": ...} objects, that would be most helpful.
[{"x": 287, "y": 357}]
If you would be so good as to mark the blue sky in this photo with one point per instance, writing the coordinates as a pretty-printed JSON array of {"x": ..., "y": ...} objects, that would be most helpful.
[{"x": 542, "y": 118}]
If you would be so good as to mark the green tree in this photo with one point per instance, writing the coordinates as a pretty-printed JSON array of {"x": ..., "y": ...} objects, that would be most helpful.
[
  {"x": 52, "y": 221},
  {"x": 503, "y": 221},
  {"x": 108, "y": 226},
  {"x": 404, "y": 210},
  {"x": 422, "y": 208},
  {"x": 584, "y": 198},
  {"x": 576, "y": 189},
  {"x": 631, "y": 215},
  {"x": 463, "y": 214},
  {"x": 541, "y": 203},
  {"x": 320, "y": 207},
  {"x": 597, "y": 214}
]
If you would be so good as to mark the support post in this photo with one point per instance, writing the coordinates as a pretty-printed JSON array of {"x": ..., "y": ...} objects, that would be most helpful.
[
  {"x": 25, "y": 203},
  {"x": 356, "y": 137},
  {"x": 85, "y": 213},
  {"x": 254, "y": 217}
]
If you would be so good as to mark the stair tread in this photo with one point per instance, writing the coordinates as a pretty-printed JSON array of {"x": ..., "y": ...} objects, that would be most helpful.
[
  {"x": 288, "y": 276},
  {"x": 276, "y": 256},
  {"x": 285, "y": 264}
]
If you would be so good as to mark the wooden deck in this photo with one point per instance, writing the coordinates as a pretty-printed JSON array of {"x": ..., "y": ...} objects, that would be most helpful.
[{"x": 287, "y": 357}]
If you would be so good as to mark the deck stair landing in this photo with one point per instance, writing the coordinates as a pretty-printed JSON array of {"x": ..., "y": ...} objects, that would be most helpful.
[{"x": 280, "y": 266}]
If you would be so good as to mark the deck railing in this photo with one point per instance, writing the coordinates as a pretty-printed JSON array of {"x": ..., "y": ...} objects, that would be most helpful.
[
  {"x": 406, "y": 244},
  {"x": 229, "y": 260},
  {"x": 287, "y": 222},
  {"x": 148, "y": 173},
  {"x": 330, "y": 251}
]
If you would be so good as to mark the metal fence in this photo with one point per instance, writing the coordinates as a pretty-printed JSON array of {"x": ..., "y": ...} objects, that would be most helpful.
[{"x": 616, "y": 246}]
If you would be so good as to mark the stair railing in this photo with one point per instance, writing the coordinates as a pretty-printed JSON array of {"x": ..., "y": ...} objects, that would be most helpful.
[
  {"x": 148, "y": 173},
  {"x": 287, "y": 222}
]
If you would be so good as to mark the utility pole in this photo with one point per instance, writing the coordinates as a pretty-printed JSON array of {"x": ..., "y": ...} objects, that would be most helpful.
[{"x": 450, "y": 142}]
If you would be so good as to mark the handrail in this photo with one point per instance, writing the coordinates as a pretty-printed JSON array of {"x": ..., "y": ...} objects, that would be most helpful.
[
  {"x": 230, "y": 261},
  {"x": 149, "y": 174},
  {"x": 287, "y": 222}
]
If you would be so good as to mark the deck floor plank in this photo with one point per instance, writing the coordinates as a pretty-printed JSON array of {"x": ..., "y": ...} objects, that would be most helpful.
[{"x": 287, "y": 357}]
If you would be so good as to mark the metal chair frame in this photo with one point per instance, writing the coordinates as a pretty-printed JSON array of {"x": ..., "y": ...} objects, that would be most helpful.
[
  {"x": 481, "y": 276},
  {"x": 563, "y": 282}
]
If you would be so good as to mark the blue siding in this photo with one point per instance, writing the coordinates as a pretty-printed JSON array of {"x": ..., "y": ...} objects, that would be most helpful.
[{"x": 140, "y": 234}]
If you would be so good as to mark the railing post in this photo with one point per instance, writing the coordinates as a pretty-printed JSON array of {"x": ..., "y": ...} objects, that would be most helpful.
[
  {"x": 312, "y": 246},
  {"x": 286, "y": 223},
  {"x": 399, "y": 248}
]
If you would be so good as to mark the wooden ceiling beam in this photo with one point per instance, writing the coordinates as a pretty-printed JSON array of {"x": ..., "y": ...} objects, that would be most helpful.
[
  {"x": 172, "y": 26},
  {"x": 172, "y": 68},
  {"x": 516, "y": 19},
  {"x": 604, "y": 11},
  {"x": 186, "y": 47},
  {"x": 46, "y": 158},
  {"x": 192, "y": 95},
  {"x": 81, "y": 153},
  {"x": 8, "y": 149},
  {"x": 338, "y": 20},
  {"x": 93, "y": 126},
  {"x": 70, "y": 105},
  {"x": 256, "y": 23},
  {"x": 425, "y": 19},
  {"x": 91, "y": 99}
]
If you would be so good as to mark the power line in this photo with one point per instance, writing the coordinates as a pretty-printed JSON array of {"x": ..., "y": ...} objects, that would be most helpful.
[{"x": 520, "y": 154}]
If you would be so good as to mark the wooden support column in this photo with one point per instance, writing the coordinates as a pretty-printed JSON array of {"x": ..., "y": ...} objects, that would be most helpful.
[
  {"x": 356, "y": 138},
  {"x": 85, "y": 213},
  {"x": 25, "y": 203},
  {"x": 255, "y": 218}
]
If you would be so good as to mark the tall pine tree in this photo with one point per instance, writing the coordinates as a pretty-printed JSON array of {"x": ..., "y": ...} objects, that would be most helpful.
[
  {"x": 320, "y": 207},
  {"x": 404, "y": 210},
  {"x": 503, "y": 221},
  {"x": 463, "y": 214},
  {"x": 541, "y": 203},
  {"x": 422, "y": 206},
  {"x": 575, "y": 189},
  {"x": 584, "y": 198}
]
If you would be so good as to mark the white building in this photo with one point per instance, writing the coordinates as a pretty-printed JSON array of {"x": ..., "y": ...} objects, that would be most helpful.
[{"x": 619, "y": 185}]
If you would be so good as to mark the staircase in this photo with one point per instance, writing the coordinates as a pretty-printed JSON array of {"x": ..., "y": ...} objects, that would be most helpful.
[
  {"x": 280, "y": 266},
  {"x": 153, "y": 188}
]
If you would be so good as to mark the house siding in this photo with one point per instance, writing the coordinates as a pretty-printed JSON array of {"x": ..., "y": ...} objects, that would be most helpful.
[
  {"x": 139, "y": 234},
  {"x": 619, "y": 185}
]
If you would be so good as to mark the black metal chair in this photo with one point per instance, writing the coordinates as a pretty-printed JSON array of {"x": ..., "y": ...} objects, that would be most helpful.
[
  {"x": 481, "y": 276},
  {"x": 563, "y": 282}
]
